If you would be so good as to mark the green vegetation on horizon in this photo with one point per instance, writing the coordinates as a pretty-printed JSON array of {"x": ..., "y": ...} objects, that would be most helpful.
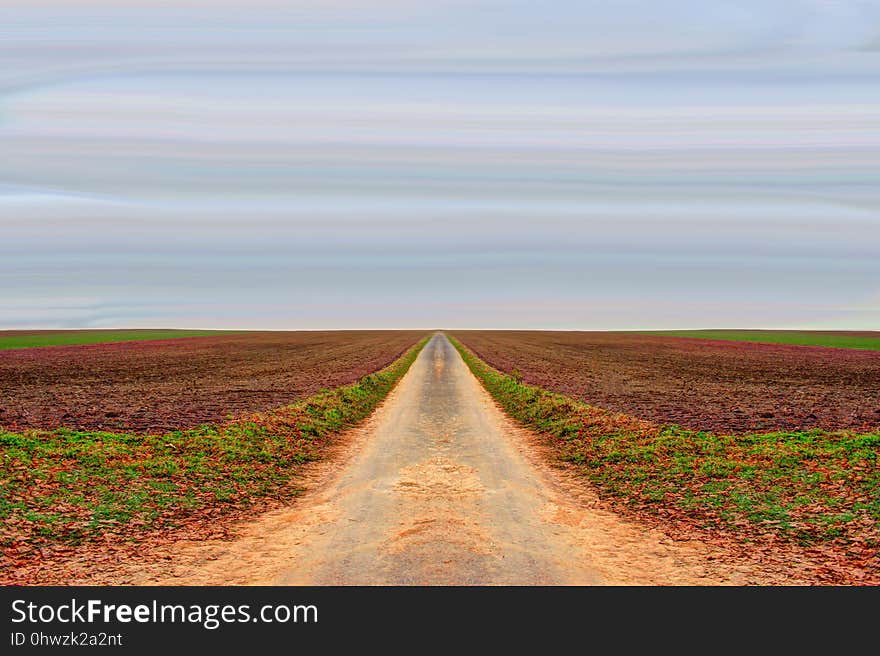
[
  {"x": 69, "y": 486},
  {"x": 808, "y": 486},
  {"x": 74, "y": 337},
  {"x": 800, "y": 338}
]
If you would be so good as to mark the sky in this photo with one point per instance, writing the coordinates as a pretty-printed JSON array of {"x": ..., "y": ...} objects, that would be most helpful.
[{"x": 579, "y": 165}]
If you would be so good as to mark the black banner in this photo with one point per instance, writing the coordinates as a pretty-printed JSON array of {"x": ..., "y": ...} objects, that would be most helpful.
[{"x": 153, "y": 620}]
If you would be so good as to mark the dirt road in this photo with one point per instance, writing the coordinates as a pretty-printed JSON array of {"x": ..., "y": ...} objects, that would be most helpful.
[{"x": 440, "y": 487}]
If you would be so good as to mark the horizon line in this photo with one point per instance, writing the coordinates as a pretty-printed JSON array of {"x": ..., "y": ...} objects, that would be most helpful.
[{"x": 426, "y": 329}]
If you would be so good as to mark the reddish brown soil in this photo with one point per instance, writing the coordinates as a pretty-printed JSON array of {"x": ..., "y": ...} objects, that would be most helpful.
[
  {"x": 159, "y": 385},
  {"x": 722, "y": 386}
]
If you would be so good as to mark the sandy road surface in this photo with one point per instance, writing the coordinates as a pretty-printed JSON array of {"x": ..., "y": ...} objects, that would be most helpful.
[{"x": 440, "y": 487}]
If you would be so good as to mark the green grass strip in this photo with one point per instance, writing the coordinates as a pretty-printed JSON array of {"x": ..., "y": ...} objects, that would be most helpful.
[
  {"x": 802, "y": 338},
  {"x": 75, "y": 337}
]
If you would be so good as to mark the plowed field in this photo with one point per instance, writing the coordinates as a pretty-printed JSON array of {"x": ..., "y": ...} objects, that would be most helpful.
[
  {"x": 701, "y": 384},
  {"x": 160, "y": 385}
]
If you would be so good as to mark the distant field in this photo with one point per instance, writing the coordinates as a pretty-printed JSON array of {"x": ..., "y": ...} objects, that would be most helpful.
[
  {"x": 853, "y": 340},
  {"x": 20, "y": 339}
]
